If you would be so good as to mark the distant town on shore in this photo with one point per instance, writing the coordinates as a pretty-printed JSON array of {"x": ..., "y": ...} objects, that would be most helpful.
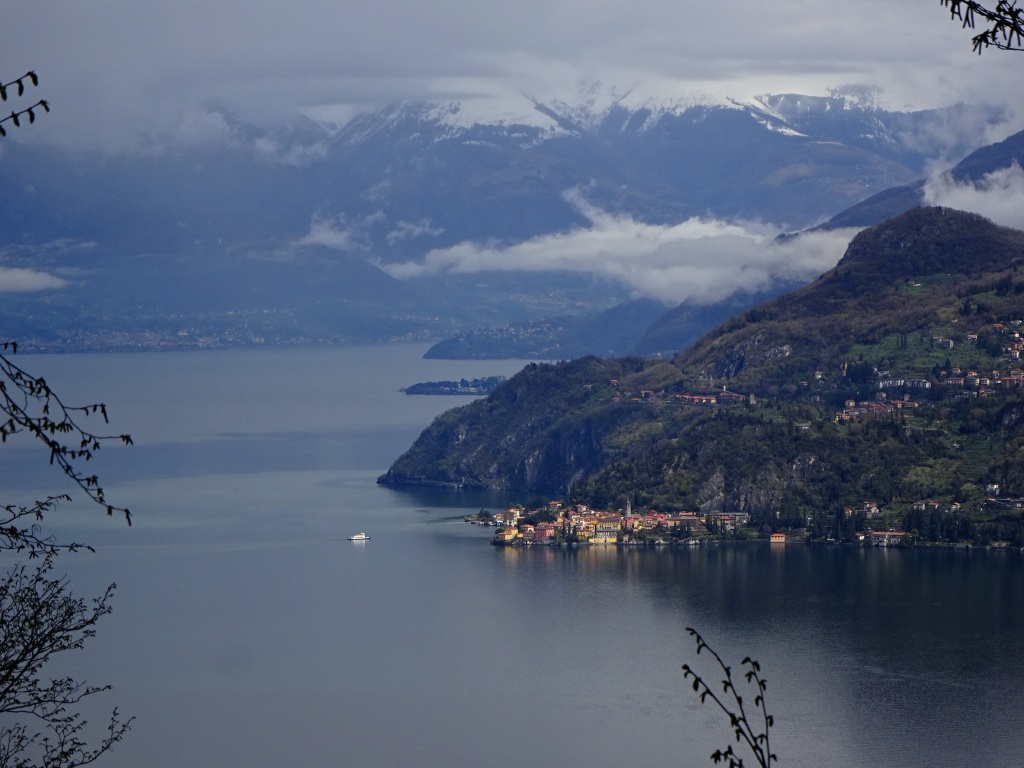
[{"x": 555, "y": 524}]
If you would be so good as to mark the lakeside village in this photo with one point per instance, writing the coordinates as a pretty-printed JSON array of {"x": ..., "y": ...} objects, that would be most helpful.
[
  {"x": 923, "y": 522},
  {"x": 556, "y": 524}
]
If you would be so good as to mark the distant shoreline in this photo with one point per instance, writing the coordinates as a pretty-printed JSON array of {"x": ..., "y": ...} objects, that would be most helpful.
[{"x": 481, "y": 386}]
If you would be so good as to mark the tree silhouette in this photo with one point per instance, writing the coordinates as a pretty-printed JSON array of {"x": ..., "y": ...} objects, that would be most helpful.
[
  {"x": 30, "y": 111},
  {"x": 40, "y": 724},
  {"x": 39, "y": 616},
  {"x": 32, "y": 407},
  {"x": 752, "y": 732},
  {"x": 1003, "y": 25}
]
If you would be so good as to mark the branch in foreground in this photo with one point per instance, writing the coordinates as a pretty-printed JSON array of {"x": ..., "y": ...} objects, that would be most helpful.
[
  {"x": 39, "y": 617},
  {"x": 1005, "y": 23},
  {"x": 730, "y": 702},
  {"x": 29, "y": 405},
  {"x": 29, "y": 112},
  {"x": 16, "y": 537}
]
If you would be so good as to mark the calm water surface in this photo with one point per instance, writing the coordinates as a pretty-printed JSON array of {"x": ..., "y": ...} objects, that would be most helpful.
[{"x": 248, "y": 632}]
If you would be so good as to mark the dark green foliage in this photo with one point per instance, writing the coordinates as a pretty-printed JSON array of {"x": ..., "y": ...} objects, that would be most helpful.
[
  {"x": 897, "y": 280},
  {"x": 756, "y": 460},
  {"x": 546, "y": 423}
]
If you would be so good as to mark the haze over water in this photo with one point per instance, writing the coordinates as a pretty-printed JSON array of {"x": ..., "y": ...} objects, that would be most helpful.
[{"x": 248, "y": 632}]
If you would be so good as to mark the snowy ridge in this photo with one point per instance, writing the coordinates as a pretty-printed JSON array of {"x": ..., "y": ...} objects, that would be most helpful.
[
  {"x": 461, "y": 116},
  {"x": 589, "y": 104},
  {"x": 769, "y": 118},
  {"x": 520, "y": 120},
  {"x": 792, "y": 107},
  {"x": 784, "y": 106},
  {"x": 599, "y": 109},
  {"x": 592, "y": 102},
  {"x": 532, "y": 120},
  {"x": 775, "y": 126}
]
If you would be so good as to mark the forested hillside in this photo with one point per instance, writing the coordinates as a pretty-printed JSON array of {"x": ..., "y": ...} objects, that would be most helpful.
[{"x": 895, "y": 379}]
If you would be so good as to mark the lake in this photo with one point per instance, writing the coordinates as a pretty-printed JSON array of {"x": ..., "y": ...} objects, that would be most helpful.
[{"x": 247, "y": 631}]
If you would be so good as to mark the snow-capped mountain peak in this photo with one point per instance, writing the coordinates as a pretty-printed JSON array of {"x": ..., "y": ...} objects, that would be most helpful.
[
  {"x": 492, "y": 112},
  {"x": 518, "y": 119},
  {"x": 592, "y": 102}
]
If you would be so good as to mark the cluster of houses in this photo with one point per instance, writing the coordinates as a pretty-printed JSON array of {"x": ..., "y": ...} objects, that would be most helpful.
[
  {"x": 852, "y": 409},
  {"x": 1011, "y": 348},
  {"x": 956, "y": 377},
  {"x": 586, "y": 525},
  {"x": 982, "y": 385},
  {"x": 649, "y": 395},
  {"x": 724, "y": 396},
  {"x": 581, "y": 524}
]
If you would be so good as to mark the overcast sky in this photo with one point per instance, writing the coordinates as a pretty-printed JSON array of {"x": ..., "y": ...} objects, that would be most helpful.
[{"x": 115, "y": 70}]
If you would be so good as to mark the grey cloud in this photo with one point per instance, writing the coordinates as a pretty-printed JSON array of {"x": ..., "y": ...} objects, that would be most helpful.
[
  {"x": 704, "y": 260},
  {"x": 406, "y": 230},
  {"x": 17, "y": 280},
  {"x": 335, "y": 232},
  {"x": 298, "y": 155},
  {"x": 117, "y": 71},
  {"x": 999, "y": 196}
]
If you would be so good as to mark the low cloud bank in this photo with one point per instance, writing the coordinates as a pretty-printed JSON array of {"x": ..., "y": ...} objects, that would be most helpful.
[
  {"x": 334, "y": 232},
  {"x": 353, "y": 234},
  {"x": 17, "y": 280},
  {"x": 704, "y": 260},
  {"x": 998, "y": 196}
]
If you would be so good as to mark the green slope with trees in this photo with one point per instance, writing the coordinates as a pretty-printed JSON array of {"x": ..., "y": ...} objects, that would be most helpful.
[{"x": 892, "y": 380}]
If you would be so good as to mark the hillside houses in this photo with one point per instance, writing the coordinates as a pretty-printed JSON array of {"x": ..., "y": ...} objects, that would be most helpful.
[
  {"x": 853, "y": 409},
  {"x": 896, "y": 391},
  {"x": 722, "y": 397}
]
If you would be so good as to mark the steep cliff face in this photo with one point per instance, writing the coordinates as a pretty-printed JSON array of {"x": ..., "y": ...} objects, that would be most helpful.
[{"x": 542, "y": 430}]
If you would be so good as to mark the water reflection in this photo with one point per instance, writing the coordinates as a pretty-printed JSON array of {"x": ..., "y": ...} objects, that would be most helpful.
[
  {"x": 247, "y": 631},
  {"x": 896, "y": 645}
]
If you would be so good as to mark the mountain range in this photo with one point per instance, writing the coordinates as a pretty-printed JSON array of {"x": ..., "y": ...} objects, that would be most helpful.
[
  {"x": 317, "y": 233},
  {"x": 687, "y": 322}
]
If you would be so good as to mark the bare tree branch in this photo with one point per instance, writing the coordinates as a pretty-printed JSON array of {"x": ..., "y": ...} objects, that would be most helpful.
[
  {"x": 730, "y": 702},
  {"x": 29, "y": 112},
  {"x": 1003, "y": 25},
  {"x": 40, "y": 725},
  {"x": 29, "y": 405},
  {"x": 39, "y": 617}
]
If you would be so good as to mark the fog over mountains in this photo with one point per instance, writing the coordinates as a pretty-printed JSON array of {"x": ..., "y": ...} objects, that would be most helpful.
[{"x": 423, "y": 220}]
